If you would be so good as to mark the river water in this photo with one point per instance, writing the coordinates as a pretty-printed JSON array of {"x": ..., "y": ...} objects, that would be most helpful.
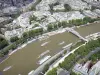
[
  {"x": 25, "y": 60},
  {"x": 87, "y": 30}
]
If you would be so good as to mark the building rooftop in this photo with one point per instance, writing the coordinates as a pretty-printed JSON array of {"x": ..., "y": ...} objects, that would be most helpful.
[
  {"x": 82, "y": 69},
  {"x": 62, "y": 72},
  {"x": 95, "y": 69},
  {"x": 23, "y": 19},
  {"x": 90, "y": 14}
]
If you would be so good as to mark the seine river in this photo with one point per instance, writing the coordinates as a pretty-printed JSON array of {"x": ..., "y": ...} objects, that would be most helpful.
[{"x": 25, "y": 60}]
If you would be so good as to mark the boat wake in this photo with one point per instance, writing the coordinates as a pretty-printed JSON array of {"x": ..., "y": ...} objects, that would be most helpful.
[{"x": 44, "y": 44}]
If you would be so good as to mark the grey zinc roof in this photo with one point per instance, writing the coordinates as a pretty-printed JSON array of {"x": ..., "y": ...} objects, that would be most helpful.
[{"x": 62, "y": 72}]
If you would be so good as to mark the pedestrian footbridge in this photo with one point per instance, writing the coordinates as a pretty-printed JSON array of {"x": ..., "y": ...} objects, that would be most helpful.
[{"x": 76, "y": 33}]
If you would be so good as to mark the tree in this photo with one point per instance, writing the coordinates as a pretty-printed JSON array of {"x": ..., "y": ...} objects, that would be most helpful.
[
  {"x": 1, "y": 39},
  {"x": 3, "y": 44},
  {"x": 64, "y": 24},
  {"x": 32, "y": 18},
  {"x": 67, "y": 7},
  {"x": 68, "y": 62},
  {"x": 31, "y": 34},
  {"x": 55, "y": 26},
  {"x": 45, "y": 68},
  {"x": 25, "y": 35},
  {"x": 52, "y": 72},
  {"x": 14, "y": 39},
  {"x": 12, "y": 2},
  {"x": 1, "y": 54},
  {"x": 87, "y": 19},
  {"x": 59, "y": 24},
  {"x": 50, "y": 27},
  {"x": 51, "y": 8},
  {"x": 14, "y": 46},
  {"x": 73, "y": 73},
  {"x": 99, "y": 40},
  {"x": 93, "y": 8},
  {"x": 40, "y": 31}
]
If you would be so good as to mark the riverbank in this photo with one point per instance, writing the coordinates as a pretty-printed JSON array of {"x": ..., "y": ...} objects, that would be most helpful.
[
  {"x": 12, "y": 52},
  {"x": 45, "y": 36},
  {"x": 3, "y": 59},
  {"x": 22, "y": 46}
]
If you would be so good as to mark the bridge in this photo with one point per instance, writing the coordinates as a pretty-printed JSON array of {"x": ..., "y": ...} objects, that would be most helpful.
[{"x": 76, "y": 33}]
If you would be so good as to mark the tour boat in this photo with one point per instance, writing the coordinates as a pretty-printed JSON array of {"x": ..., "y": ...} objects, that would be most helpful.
[
  {"x": 44, "y": 43},
  {"x": 61, "y": 43},
  {"x": 44, "y": 59},
  {"x": 7, "y": 68},
  {"x": 44, "y": 53}
]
